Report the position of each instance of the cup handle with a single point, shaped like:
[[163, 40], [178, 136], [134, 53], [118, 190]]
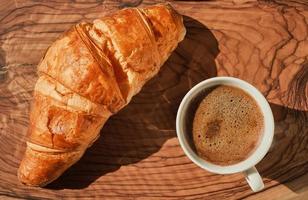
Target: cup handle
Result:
[[254, 179]]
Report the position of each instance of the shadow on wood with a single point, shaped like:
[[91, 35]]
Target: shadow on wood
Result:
[[287, 159], [2, 57], [141, 128], [297, 95], [129, 3], [2, 64]]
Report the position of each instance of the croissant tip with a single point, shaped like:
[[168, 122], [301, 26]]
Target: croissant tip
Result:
[[28, 180], [31, 184]]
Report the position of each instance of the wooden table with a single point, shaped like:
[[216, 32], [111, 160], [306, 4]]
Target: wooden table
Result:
[[138, 155]]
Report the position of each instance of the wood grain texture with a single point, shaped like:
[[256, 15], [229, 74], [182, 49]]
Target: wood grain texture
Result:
[[138, 155]]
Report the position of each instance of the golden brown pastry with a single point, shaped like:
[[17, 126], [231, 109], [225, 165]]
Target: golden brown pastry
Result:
[[88, 74]]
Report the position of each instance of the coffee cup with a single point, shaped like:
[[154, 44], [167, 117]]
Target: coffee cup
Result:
[[184, 130]]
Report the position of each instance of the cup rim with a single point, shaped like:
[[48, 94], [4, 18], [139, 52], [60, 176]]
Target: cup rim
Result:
[[263, 145]]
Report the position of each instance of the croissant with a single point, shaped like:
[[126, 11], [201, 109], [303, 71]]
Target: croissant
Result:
[[87, 75]]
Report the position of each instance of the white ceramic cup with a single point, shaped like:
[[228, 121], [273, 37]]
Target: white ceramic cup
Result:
[[184, 130]]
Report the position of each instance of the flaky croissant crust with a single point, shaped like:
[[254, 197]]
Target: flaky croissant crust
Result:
[[88, 74]]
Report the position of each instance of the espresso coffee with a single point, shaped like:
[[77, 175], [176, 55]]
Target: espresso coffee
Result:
[[227, 126]]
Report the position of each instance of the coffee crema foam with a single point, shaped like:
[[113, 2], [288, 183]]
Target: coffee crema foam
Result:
[[227, 126]]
